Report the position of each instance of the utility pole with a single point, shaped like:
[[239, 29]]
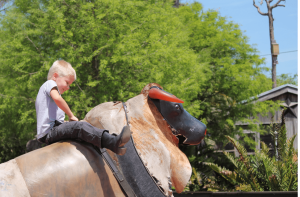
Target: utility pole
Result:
[[274, 45]]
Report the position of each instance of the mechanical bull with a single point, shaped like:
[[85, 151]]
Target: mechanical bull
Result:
[[152, 164]]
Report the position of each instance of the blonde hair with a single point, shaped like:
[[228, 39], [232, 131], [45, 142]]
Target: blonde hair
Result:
[[62, 68]]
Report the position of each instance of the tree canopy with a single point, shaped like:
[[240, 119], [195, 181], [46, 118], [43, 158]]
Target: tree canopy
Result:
[[287, 79], [116, 48], [233, 73]]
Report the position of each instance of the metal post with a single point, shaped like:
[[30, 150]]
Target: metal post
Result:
[[276, 151]]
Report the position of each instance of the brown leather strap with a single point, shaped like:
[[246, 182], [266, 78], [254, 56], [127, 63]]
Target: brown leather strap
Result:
[[119, 176]]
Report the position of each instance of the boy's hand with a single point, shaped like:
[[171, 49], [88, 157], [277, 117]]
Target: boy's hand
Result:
[[73, 118]]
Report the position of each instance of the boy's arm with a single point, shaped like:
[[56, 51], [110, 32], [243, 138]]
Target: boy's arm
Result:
[[62, 104]]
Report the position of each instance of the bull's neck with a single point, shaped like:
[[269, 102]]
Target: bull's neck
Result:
[[156, 144]]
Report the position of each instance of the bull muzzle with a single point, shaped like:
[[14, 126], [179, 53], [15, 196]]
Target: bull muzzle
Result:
[[181, 122]]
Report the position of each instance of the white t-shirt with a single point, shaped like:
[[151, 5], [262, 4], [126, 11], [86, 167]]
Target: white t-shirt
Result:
[[46, 109]]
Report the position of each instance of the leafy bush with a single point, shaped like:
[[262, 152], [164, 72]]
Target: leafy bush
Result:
[[260, 172], [203, 177]]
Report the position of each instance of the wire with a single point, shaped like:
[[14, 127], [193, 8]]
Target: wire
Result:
[[281, 52]]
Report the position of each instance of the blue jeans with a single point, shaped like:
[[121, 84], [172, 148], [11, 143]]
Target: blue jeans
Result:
[[74, 130]]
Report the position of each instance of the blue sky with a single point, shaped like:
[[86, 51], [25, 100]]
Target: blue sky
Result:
[[256, 28]]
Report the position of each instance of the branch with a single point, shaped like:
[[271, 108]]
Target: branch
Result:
[[264, 14], [28, 99], [66, 3], [23, 72], [261, 2], [35, 46], [33, 73], [68, 43], [277, 4], [79, 87], [6, 75]]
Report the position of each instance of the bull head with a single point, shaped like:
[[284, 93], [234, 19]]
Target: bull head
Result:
[[181, 122]]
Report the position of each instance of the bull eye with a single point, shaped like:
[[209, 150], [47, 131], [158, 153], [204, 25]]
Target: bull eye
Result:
[[177, 107]]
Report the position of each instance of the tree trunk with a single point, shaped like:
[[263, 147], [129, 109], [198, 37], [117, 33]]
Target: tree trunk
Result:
[[274, 61], [272, 40], [271, 30]]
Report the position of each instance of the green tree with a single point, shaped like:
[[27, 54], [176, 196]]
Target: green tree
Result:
[[226, 95], [233, 74], [116, 48], [287, 79]]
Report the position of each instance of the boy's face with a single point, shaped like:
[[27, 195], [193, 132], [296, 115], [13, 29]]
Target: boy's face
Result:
[[63, 83]]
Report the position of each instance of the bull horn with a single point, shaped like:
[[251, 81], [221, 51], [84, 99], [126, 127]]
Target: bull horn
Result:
[[155, 93]]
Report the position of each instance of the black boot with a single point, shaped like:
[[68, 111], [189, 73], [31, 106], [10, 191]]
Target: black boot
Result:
[[116, 143]]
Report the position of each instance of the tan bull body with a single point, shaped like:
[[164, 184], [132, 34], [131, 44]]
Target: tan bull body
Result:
[[70, 168], [61, 169]]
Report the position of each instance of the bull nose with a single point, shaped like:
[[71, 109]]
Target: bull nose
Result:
[[195, 137]]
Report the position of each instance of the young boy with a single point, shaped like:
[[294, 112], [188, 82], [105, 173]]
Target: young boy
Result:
[[51, 109]]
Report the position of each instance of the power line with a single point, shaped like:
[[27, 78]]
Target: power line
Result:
[[281, 52]]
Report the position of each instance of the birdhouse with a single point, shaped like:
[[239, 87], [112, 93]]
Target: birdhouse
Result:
[[275, 49]]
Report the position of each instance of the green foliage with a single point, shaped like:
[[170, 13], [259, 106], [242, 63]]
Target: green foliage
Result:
[[260, 172], [14, 121], [286, 79], [116, 48], [203, 177], [232, 70]]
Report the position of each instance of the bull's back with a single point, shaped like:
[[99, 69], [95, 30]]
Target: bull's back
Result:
[[62, 169]]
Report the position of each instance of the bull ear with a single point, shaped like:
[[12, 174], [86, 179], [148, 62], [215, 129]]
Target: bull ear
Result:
[[155, 93]]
